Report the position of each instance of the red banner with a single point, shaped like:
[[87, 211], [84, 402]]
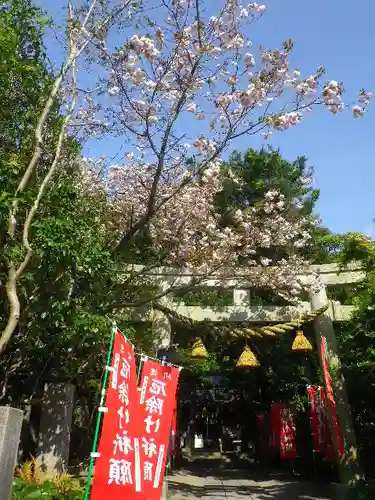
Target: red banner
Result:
[[336, 429], [114, 474], [326, 436], [157, 400], [319, 422], [283, 431], [288, 449]]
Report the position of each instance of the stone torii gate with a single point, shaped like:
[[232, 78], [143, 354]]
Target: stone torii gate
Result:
[[57, 413], [241, 311]]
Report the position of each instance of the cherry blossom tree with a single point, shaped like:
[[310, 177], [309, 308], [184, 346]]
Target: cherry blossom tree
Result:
[[178, 81], [182, 83]]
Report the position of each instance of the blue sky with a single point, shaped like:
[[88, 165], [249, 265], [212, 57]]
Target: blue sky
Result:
[[340, 36]]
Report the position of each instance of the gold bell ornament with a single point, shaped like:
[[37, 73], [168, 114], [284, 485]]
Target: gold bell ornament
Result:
[[199, 350], [247, 359], [301, 343]]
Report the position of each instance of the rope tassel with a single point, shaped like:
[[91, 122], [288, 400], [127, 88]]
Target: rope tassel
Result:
[[247, 359], [301, 343], [199, 350]]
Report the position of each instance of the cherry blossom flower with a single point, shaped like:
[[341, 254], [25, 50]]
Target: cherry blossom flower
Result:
[[249, 60], [191, 107]]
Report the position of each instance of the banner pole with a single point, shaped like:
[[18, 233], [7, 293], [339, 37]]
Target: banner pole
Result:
[[139, 370], [99, 417]]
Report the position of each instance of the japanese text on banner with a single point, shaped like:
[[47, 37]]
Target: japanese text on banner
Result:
[[157, 400], [115, 466]]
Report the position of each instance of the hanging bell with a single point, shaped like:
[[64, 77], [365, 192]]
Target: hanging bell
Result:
[[199, 350], [247, 359], [301, 343]]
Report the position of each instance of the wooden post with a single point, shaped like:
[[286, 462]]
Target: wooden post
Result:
[[323, 326]]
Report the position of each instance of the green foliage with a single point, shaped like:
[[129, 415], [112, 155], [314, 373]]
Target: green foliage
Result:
[[221, 297], [357, 344], [63, 489], [30, 482], [357, 246], [200, 369], [345, 294], [357, 341], [23, 73], [71, 291], [325, 247], [205, 296], [266, 170]]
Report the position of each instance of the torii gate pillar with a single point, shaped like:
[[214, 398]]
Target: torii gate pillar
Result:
[[323, 326]]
